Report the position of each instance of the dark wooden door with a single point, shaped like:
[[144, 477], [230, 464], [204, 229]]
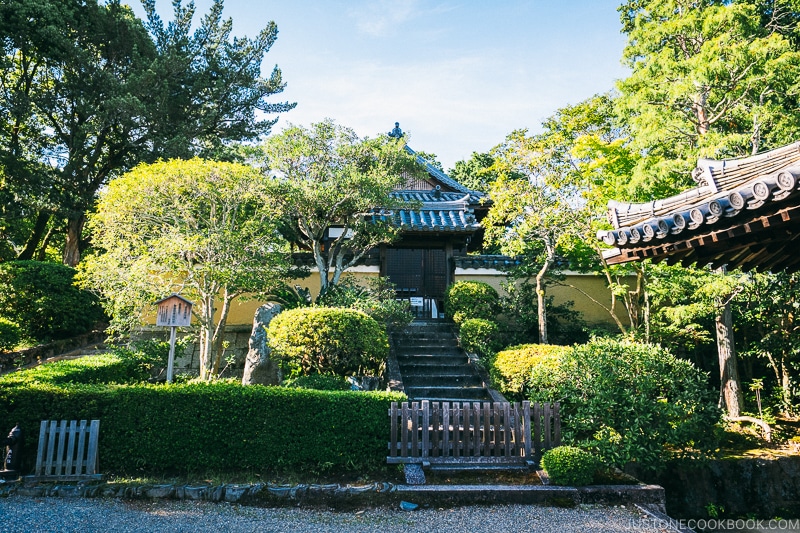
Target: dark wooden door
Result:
[[417, 271]]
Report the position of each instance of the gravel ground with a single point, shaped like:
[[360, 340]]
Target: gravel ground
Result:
[[25, 514]]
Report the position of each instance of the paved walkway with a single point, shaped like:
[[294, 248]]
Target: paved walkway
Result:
[[22, 514]]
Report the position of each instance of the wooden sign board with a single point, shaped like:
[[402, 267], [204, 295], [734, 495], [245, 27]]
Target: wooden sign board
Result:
[[174, 310]]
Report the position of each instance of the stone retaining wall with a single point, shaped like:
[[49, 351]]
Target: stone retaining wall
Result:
[[37, 354], [743, 487]]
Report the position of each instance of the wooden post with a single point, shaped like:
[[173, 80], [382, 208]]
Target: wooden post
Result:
[[171, 359]]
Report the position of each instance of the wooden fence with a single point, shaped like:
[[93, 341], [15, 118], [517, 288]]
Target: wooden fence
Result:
[[67, 451], [499, 433]]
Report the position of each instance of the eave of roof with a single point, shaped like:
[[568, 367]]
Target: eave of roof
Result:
[[744, 213]]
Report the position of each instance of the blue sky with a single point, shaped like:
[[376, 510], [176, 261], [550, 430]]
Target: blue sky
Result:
[[457, 75]]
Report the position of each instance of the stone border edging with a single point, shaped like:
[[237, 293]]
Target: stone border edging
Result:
[[379, 493]]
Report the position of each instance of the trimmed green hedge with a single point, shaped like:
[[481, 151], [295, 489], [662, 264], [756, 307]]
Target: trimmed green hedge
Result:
[[471, 299], [568, 465], [328, 340], [201, 427]]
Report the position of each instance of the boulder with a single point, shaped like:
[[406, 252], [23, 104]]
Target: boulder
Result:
[[259, 369]]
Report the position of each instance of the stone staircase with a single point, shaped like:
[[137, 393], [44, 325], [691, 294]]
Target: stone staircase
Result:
[[433, 367]]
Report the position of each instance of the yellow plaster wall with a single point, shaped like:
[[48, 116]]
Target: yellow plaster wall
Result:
[[243, 310]]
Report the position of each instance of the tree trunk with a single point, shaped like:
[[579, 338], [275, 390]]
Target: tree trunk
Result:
[[259, 368], [540, 300], [72, 246], [730, 388], [35, 237], [217, 342]]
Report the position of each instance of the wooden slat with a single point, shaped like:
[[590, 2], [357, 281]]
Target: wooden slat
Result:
[[80, 463], [557, 424], [537, 429], [458, 439], [42, 446], [404, 430], [436, 431], [63, 436], [476, 429], [94, 437], [51, 446], [546, 415], [446, 442], [426, 422], [71, 450], [393, 431], [526, 427], [507, 434], [415, 429], [487, 430]]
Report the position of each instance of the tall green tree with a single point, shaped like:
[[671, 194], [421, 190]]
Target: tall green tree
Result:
[[86, 93], [203, 229], [709, 79], [334, 191], [582, 158]]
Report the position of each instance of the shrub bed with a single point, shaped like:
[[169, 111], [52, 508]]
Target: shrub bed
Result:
[[511, 368], [568, 465], [42, 300], [217, 427], [629, 402], [471, 299], [480, 336], [324, 340]]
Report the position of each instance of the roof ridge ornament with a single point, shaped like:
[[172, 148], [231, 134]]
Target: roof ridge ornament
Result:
[[397, 133]]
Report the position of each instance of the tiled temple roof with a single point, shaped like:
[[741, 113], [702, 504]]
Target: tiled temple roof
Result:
[[743, 213], [442, 215], [498, 262]]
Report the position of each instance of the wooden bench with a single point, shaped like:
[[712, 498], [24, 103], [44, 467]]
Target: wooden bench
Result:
[[472, 434], [67, 451]]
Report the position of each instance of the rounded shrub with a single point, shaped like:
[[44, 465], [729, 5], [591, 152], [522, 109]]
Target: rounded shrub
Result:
[[324, 340], [629, 402], [479, 336], [43, 301], [9, 335], [569, 465], [511, 368], [471, 299]]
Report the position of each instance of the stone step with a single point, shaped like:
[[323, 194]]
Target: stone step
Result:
[[442, 380], [428, 350], [434, 369], [453, 359], [448, 393]]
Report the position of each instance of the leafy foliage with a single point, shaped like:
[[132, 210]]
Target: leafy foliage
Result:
[[318, 382], [9, 335], [377, 299], [520, 316], [119, 366], [43, 301], [88, 92], [766, 314], [569, 465], [471, 299], [511, 368], [629, 402], [709, 79], [201, 228], [480, 336], [327, 177], [322, 340]]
